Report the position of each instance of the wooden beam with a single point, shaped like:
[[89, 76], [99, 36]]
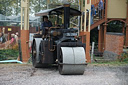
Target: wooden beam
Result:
[[123, 28], [100, 39], [126, 41], [97, 23], [88, 47], [105, 30]]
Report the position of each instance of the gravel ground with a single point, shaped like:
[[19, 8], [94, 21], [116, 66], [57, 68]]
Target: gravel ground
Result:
[[16, 74]]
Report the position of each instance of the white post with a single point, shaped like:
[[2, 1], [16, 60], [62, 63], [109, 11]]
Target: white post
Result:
[[93, 44], [21, 16], [25, 14], [87, 7], [89, 21], [98, 27], [48, 2], [28, 15]]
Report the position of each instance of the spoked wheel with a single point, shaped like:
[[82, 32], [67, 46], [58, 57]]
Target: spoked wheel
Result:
[[35, 56], [72, 60]]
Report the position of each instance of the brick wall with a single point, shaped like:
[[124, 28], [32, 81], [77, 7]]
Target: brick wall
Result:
[[114, 42]]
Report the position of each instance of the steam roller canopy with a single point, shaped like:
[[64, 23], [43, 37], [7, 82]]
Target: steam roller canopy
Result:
[[73, 59]]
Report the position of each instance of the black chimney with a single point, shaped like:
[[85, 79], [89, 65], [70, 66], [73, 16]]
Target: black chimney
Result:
[[66, 16]]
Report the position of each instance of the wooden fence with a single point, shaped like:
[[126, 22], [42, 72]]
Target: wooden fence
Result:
[[13, 29]]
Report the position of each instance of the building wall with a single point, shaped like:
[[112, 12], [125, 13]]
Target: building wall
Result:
[[117, 9], [114, 42]]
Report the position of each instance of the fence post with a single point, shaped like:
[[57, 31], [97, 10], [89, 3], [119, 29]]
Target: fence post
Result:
[[93, 43]]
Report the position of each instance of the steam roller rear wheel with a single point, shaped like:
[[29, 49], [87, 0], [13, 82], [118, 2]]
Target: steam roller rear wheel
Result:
[[72, 60], [34, 57]]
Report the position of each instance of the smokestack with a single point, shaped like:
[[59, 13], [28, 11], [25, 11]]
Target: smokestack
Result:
[[66, 15]]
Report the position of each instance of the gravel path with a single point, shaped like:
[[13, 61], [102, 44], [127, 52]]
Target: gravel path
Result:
[[15, 74]]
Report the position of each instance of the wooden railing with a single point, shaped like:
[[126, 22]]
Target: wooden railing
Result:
[[96, 20], [95, 2]]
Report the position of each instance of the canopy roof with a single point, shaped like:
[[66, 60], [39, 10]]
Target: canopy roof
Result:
[[3, 17], [58, 11]]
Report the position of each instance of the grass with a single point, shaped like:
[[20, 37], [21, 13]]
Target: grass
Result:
[[12, 54], [102, 61], [110, 63], [122, 60]]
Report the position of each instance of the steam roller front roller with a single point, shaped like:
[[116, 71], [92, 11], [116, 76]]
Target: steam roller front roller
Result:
[[35, 53], [72, 60]]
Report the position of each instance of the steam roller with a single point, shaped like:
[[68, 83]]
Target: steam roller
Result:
[[60, 44]]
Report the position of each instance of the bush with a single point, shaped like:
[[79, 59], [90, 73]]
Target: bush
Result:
[[123, 57], [8, 54]]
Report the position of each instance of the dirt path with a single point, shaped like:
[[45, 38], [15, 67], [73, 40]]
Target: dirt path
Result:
[[16, 74]]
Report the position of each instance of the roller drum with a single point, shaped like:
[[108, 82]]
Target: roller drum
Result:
[[73, 60]]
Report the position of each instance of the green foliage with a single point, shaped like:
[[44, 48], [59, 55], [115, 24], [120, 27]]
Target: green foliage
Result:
[[37, 5], [123, 60], [115, 26], [8, 54], [9, 7], [113, 63], [123, 57]]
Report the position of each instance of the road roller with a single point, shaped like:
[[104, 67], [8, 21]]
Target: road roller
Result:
[[60, 45]]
